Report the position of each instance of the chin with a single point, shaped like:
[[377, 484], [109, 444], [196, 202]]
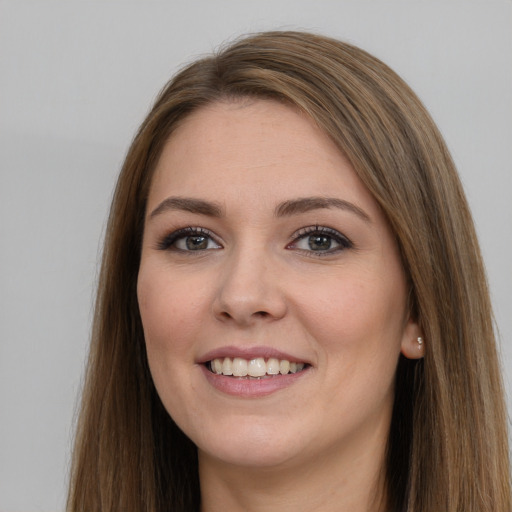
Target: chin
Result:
[[250, 445], [254, 456]]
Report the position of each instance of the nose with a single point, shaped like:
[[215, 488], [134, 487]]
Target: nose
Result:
[[250, 290]]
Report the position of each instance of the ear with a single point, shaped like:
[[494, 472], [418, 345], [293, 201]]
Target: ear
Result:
[[413, 344]]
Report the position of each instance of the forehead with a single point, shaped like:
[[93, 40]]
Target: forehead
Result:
[[253, 147]]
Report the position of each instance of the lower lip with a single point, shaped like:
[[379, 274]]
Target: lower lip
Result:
[[252, 388]]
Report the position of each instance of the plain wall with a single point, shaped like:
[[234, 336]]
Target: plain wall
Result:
[[76, 79]]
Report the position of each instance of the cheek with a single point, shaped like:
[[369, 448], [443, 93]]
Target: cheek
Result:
[[169, 313], [357, 313], [169, 317]]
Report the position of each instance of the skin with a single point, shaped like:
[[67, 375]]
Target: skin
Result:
[[318, 443]]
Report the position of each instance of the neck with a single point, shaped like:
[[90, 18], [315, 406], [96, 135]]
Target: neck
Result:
[[351, 482]]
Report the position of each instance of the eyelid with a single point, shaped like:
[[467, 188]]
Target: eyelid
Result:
[[166, 242], [337, 236]]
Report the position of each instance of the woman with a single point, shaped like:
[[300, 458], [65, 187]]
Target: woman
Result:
[[292, 309]]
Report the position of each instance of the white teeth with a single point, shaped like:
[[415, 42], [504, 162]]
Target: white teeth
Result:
[[227, 366], [273, 366], [239, 367], [258, 367], [284, 367], [217, 366], [296, 367]]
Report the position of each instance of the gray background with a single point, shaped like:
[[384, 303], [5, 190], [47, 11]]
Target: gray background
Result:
[[76, 79]]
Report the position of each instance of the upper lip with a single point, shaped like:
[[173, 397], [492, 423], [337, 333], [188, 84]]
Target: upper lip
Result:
[[249, 353]]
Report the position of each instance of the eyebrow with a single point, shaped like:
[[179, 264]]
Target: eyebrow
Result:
[[306, 204], [285, 209], [188, 204]]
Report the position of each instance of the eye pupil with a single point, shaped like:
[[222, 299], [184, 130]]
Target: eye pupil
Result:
[[197, 242], [319, 242]]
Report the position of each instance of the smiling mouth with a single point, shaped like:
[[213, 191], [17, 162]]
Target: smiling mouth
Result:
[[258, 368]]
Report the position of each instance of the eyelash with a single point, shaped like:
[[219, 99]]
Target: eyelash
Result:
[[168, 241], [303, 233]]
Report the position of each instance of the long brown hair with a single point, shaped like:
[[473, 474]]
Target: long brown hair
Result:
[[447, 448]]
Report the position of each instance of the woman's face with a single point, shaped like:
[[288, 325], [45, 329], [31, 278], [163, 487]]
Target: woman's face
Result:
[[264, 253]]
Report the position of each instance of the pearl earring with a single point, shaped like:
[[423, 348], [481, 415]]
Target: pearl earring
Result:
[[420, 342]]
